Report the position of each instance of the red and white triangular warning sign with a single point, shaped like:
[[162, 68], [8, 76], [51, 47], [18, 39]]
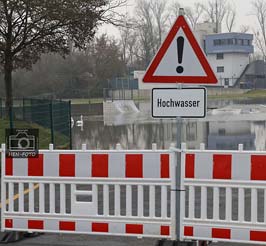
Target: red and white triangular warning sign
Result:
[[180, 59]]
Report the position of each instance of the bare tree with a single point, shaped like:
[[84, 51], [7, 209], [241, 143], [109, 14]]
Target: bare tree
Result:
[[194, 14], [259, 8], [230, 18], [30, 28], [128, 38], [215, 11], [244, 28], [151, 23], [173, 12], [146, 29], [158, 9]]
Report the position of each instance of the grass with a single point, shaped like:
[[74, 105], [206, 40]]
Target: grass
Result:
[[250, 94], [62, 141], [259, 93], [86, 100]]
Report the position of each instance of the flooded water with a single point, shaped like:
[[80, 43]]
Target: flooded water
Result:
[[228, 123]]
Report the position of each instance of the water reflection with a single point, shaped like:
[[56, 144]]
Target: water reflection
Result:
[[139, 131]]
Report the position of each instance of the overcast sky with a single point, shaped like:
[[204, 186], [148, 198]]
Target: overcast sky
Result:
[[243, 9]]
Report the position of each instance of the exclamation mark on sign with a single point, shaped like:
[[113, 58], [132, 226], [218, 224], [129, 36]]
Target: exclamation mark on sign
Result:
[[180, 48]]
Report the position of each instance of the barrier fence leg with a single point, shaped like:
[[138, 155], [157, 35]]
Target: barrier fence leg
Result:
[[14, 236]]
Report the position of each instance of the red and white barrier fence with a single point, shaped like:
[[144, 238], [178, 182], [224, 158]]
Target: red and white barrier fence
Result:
[[133, 193], [113, 192], [226, 195]]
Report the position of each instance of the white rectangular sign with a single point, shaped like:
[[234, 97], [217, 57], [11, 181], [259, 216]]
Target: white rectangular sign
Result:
[[174, 102]]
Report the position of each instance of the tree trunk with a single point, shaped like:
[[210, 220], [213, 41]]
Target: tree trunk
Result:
[[8, 68]]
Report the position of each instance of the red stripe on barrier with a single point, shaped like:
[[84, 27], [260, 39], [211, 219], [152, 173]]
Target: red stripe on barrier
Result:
[[67, 226], [221, 233], [35, 166], [222, 166], [258, 167], [165, 166], [134, 229], [9, 223], [134, 167], [99, 165], [258, 236], [165, 230], [190, 166], [9, 166], [188, 231], [100, 227], [67, 165], [35, 224]]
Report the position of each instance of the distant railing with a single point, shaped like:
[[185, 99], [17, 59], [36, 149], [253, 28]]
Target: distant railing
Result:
[[51, 114]]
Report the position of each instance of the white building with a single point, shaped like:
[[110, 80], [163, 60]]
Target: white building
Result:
[[227, 53]]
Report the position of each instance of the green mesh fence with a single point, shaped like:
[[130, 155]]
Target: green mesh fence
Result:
[[54, 115]]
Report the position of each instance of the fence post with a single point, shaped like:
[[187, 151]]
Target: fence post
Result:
[[11, 123], [23, 109], [173, 168], [70, 129], [3, 190], [51, 122], [118, 146], [1, 112]]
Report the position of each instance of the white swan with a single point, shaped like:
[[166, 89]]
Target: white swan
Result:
[[80, 122], [72, 122]]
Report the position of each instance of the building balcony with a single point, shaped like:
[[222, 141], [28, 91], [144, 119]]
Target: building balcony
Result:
[[229, 43]]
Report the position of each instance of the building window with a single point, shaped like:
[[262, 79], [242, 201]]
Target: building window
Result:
[[247, 42], [226, 81], [217, 42], [221, 132], [191, 128], [220, 69], [231, 41], [219, 56], [240, 41]]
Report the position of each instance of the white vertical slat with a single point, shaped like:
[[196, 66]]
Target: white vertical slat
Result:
[[105, 200], [228, 206], [31, 198], [191, 202], [63, 198], [152, 201], [203, 203], [254, 205], [52, 198], [95, 197], [128, 200], [3, 184], [20, 198], [11, 197], [216, 203], [41, 198], [73, 196], [164, 201], [241, 203], [182, 170], [202, 146], [117, 200], [264, 206], [118, 146], [140, 201], [51, 147], [173, 212], [84, 147]]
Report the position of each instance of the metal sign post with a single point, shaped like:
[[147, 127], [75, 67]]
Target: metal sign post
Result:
[[180, 59], [178, 176]]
